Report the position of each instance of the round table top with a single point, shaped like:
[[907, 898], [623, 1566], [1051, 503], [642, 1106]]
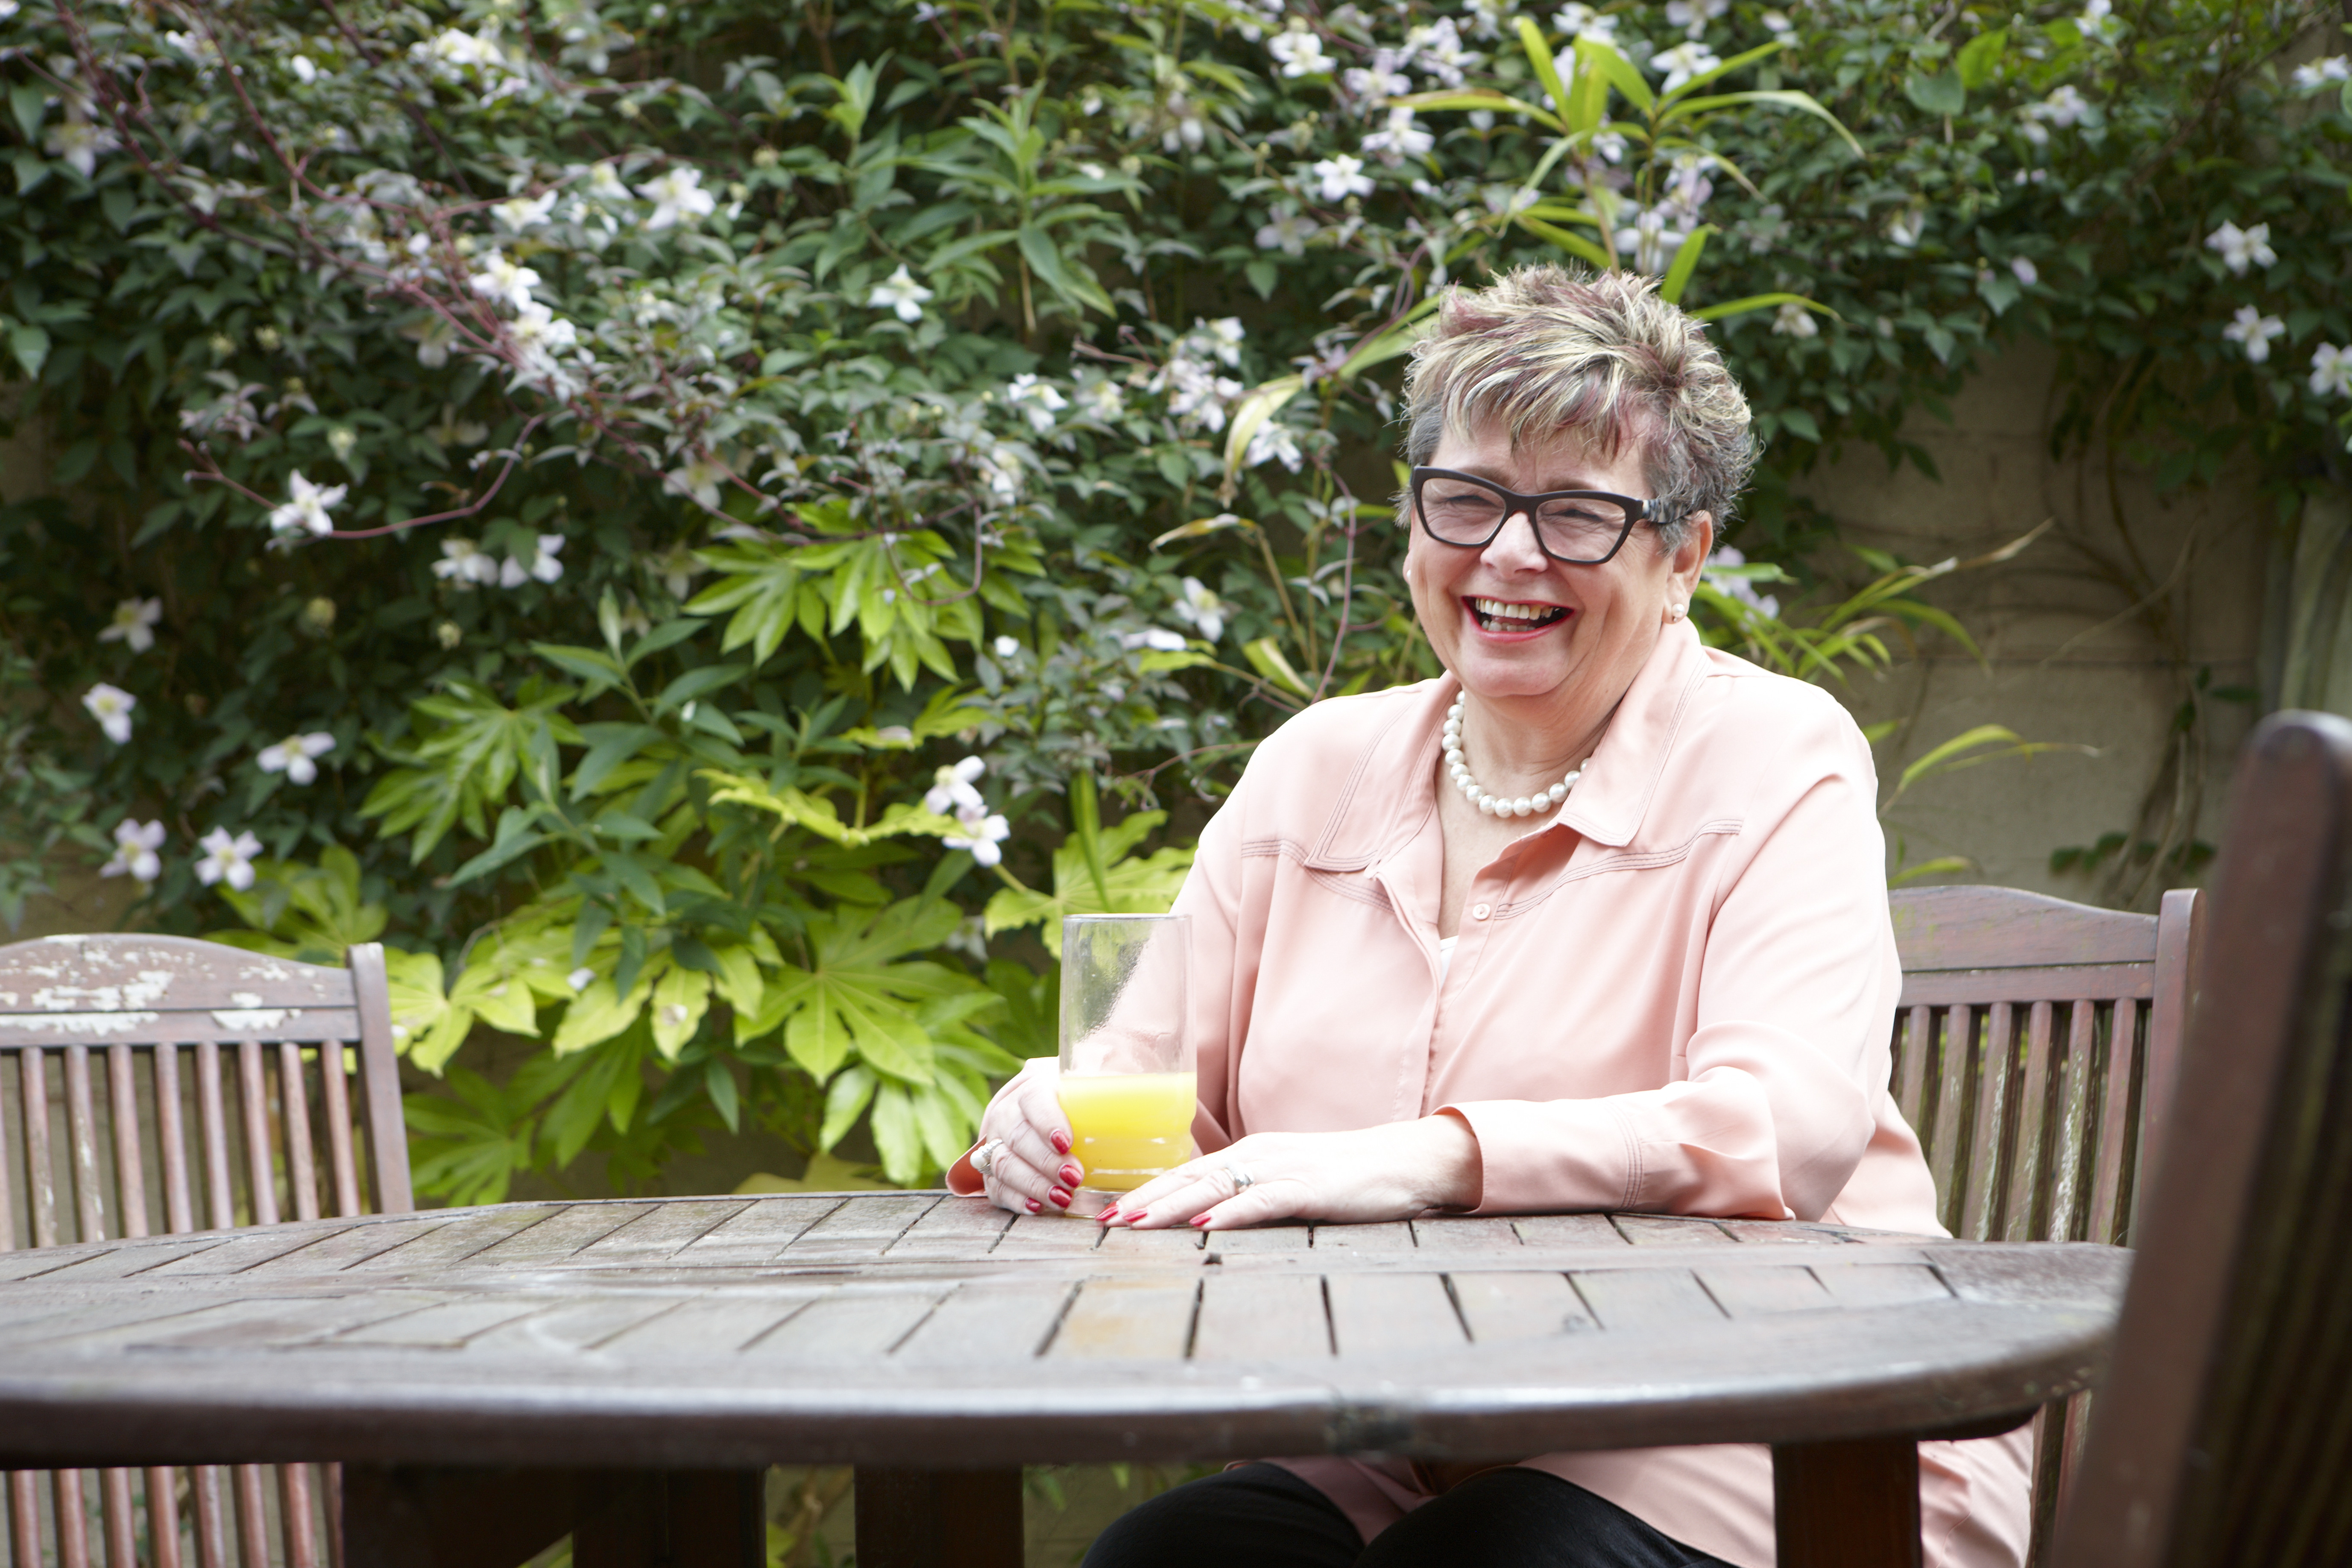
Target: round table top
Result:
[[918, 1329]]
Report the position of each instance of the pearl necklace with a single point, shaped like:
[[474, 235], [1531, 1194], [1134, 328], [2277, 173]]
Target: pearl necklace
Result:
[[1495, 805]]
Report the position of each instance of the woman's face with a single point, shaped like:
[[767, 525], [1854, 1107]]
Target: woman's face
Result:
[[1594, 625]]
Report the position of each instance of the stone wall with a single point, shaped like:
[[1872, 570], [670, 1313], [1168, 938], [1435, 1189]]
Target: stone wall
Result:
[[2070, 655]]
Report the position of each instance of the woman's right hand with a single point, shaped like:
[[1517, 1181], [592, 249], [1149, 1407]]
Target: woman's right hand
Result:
[[1026, 1142]]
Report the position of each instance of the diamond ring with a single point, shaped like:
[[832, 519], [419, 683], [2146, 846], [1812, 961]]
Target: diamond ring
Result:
[[1243, 1180], [984, 1158]]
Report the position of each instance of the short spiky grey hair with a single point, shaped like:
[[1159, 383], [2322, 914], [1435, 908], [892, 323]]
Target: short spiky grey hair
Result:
[[1546, 349]]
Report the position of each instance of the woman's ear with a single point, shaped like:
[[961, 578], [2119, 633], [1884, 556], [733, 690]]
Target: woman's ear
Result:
[[1690, 556]]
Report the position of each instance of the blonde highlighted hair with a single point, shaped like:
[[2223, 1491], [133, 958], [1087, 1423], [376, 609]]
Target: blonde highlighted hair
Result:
[[1545, 349]]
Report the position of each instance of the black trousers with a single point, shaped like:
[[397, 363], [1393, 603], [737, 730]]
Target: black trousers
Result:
[[1262, 1515]]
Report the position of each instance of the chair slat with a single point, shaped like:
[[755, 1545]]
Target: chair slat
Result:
[[72, 1523], [172, 1141], [40, 1175], [122, 1519], [214, 1117], [25, 1518], [2105, 981], [1956, 1075], [387, 1129], [81, 1142], [334, 1093], [1918, 1036], [129, 1162], [1982, 1199], [164, 1515], [205, 1493], [252, 1517], [7, 1205], [294, 1517], [2025, 1217], [332, 1487], [2117, 1100], [294, 1102], [2070, 1160], [253, 1097]]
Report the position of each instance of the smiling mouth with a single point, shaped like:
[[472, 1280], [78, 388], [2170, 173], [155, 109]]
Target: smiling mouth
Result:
[[1505, 615]]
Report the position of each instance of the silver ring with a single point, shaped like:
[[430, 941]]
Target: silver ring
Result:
[[983, 1159], [1243, 1180]]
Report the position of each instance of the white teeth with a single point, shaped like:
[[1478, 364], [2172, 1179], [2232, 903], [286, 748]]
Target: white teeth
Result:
[[1500, 609]]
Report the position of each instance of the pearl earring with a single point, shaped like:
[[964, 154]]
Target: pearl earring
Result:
[[1676, 613]]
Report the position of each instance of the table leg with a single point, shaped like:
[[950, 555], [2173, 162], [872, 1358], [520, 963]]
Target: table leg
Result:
[[1847, 1505], [425, 1516], [939, 1518], [672, 1519]]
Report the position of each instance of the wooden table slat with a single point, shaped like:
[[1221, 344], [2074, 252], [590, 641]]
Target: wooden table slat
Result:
[[1260, 1316], [958, 1227], [1499, 1308], [1378, 1314], [446, 1325], [1265, 1238], [235, 1255], [1471, 1233], [339, 1249], [758, 1234], [1670, 1230], [1566, 1231], [989, 1320], [1396, 1236], [461, 1237], [122, 1262], [559, 1237], [1752, 1291], [661, 1231], [1880, 1285], [710, 1325], [849, 1324], [1646, 1298], [1040, 1236], [1128, 1319], [1183, 1244], [573, 1326]]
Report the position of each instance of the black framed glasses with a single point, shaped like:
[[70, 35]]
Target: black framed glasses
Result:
[[1576, 528]]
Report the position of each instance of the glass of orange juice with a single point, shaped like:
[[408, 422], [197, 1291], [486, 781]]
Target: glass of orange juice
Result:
[[1126, 1080]]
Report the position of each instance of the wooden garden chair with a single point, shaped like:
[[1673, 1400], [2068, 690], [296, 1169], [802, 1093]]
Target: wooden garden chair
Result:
[[2223, 1430], [2034, 1039], [148, 1079]]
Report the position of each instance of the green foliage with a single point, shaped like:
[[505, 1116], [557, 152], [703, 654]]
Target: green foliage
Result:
[[631, 447]]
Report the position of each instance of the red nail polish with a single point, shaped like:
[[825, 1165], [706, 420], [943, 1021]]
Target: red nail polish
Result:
[[1034, 1207], [1072, 1175], [1061, 1141], [1061, 1199], [1200, 1219]]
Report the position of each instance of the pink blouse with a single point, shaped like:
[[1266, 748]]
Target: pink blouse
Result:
[[1675, 997]]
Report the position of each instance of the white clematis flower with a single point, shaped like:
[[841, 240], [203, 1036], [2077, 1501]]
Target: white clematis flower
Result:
[[110, 706], [2242, 247], [2323, 73], [899, 293], [2331, 372], [135, 843], [228, 859], [699, 476], [1338, 177], [465, 563], [952, 789], [306, 512], [1794, 321], [543, 565], [292, 756], [1200, 609], [2255, 331], [678, 197], [1300, 50], [133, 624], [985, 836], [523, 214], [503, 279], [1038, 401], [1401, 139]]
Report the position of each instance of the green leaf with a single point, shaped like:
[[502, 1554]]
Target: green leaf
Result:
[[1980, 57], [1128, 887], [857, 995], [29, 103], [1942, 93], [1547, 70], [1779, 97], [1741, 306], [896, 1137], [1255, 406], [30, 344], [1594, 54], [1686, 262], [1266, 658]]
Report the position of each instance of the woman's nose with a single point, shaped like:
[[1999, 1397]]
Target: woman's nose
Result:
[[1515, 548]]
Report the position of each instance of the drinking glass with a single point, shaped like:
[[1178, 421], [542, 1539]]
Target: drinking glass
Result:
[[1127, 1081]]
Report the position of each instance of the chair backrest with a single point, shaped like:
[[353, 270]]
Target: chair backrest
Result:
[[226, 1092], [148, 1079], [2224, 1431], [2031, 1036]]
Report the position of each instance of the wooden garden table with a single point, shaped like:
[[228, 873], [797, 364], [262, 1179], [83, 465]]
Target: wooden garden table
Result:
[[492, 1377]]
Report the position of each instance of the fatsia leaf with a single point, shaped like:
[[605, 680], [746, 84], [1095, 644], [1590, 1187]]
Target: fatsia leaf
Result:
[[1144, 886], [680, 998]]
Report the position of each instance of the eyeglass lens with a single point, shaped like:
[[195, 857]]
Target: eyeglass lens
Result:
[[1572, 528]]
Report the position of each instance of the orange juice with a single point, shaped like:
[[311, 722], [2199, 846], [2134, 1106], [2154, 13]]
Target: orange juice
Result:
[[1126, 1128]]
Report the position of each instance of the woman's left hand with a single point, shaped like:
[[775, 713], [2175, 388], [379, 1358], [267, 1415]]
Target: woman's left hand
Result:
[[1396, 1171]]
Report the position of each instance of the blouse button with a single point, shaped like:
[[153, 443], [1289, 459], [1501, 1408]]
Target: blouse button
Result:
[[1480, 911]]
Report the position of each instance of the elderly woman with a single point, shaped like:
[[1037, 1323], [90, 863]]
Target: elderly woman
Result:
[[1595, 921]]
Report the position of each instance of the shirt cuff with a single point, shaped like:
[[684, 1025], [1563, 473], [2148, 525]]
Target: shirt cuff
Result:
[[1558, 1155]]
